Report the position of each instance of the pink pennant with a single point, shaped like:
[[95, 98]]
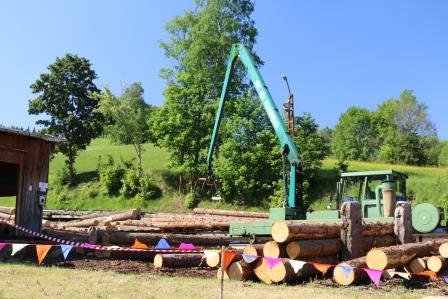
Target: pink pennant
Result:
[[375, 275], [187, 246], [2, 245], [272, 261]]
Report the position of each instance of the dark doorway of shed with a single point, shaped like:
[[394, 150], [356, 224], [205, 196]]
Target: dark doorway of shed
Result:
[[9, 180]]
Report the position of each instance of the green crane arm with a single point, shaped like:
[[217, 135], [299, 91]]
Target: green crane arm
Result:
[[287, 146]]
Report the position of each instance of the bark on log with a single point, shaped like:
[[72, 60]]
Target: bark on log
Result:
[[241, 271], [125, 238], [307, 271], [274, 249], [69, 236], [331, 259], [131, 214], [436, 263], [253, 250], [376, 229], [6, 216], [403, 222], [82, 223], [417, 265], [374, 242], [8, 210], [127, 228], [231, 213], [352, 275], [182, 260], [281, 272], [351, 230], [292, 230], [261, 271], [400, 255], [312, 248]]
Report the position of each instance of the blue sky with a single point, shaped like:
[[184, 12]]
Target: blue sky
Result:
[[335, 53]]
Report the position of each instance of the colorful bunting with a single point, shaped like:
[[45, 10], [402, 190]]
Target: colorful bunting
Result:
[[66, 250], [162, 244], [139, 245], [2, 245], [228, 258], [445, 278], [186, 246], [428, 273], [272, 261], [42, 251], [346, 270], [322, 267], [297, 265], [375, 275], [17, 247], [249, 258], [404, 275]]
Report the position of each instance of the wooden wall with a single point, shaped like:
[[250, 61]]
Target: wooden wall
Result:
[[32, 156]]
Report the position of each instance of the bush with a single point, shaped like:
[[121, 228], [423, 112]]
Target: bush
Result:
[[190, 201], [142, 186], [130, 183], [62, 176], [110, 175]]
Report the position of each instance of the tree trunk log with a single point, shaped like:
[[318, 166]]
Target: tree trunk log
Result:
[[376, 229], [231, 213], [417, 265], [292, 230], [261, 271], [274, 249], [213, 260], [182, 260], [436, 263], [374, 242], [254, 250], [6, 216], [353, 275], [400, 255], [82, 223], [443, 250], [125, 238], [281, 272], [8, 210], [311, 248], [241, 271]]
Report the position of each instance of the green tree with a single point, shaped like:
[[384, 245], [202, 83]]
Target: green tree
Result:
[[127, 118], [65, 94], [249, 160], [443, 154], [353, 135], [199, 43]]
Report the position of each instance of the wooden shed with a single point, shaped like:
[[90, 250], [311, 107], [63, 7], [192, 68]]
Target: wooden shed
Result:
[[24, 163]]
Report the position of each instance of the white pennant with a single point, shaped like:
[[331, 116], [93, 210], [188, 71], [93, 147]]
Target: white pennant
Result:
[[210, 253], [17, 247], [297, 265], [401, 274]]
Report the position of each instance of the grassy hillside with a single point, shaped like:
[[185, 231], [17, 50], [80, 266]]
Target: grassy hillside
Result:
[[427, 184]]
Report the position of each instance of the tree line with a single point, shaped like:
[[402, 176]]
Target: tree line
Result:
[[248, 161]]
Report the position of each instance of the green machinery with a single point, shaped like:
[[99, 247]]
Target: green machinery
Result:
[[377, 191]]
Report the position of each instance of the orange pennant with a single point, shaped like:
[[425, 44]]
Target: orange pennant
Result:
[[228, 258], [322, 267], [42, 251], [428, 273], [139, 245]]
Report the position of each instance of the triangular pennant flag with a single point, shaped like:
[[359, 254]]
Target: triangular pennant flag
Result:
[[65, 250], [228, 258], [17, 247], [428, 273], [249, 258], [2, 245], [445, 278], [297, 265], [162, 244], [375, 275], [272, 261], [210, 253], [186, 246], [139, 245], [323, 268], [346, 270], [404, 275], [42, 251]]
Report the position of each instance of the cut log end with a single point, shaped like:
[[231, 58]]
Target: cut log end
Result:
[[344, 276], [273, 249], [417, 265], [213, 260], [376, 259], [436, 263], [443, 250], [240, 271], [158, 261], [280, 231]]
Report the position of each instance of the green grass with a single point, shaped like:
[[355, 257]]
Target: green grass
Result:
[[24, 281]]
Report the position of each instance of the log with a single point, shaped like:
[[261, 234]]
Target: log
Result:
[[274, 249], [353, 275], [8, 210], [312, 248], [125, 238], [374, 242], [241, 271], [69, 236], [281, 272], [127, 228], [219, 273], [182, 260], [261, 271], [351, 230], [443, 250], [331, 259], [254, 250], [417, 265], [231, 213], [307, 271], [400, 255], [436, 263], [131, 214], [213, 260], [403, 222], [292, 230], [82, 223], [376, 229], [6, 216]]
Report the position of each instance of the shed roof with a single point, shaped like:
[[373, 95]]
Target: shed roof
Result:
[[48, 138]]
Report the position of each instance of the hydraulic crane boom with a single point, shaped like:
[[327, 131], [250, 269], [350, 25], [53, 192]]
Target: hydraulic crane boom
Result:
[[287, 146]]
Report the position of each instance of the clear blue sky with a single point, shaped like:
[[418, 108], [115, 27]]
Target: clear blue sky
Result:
[[336, 53]]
